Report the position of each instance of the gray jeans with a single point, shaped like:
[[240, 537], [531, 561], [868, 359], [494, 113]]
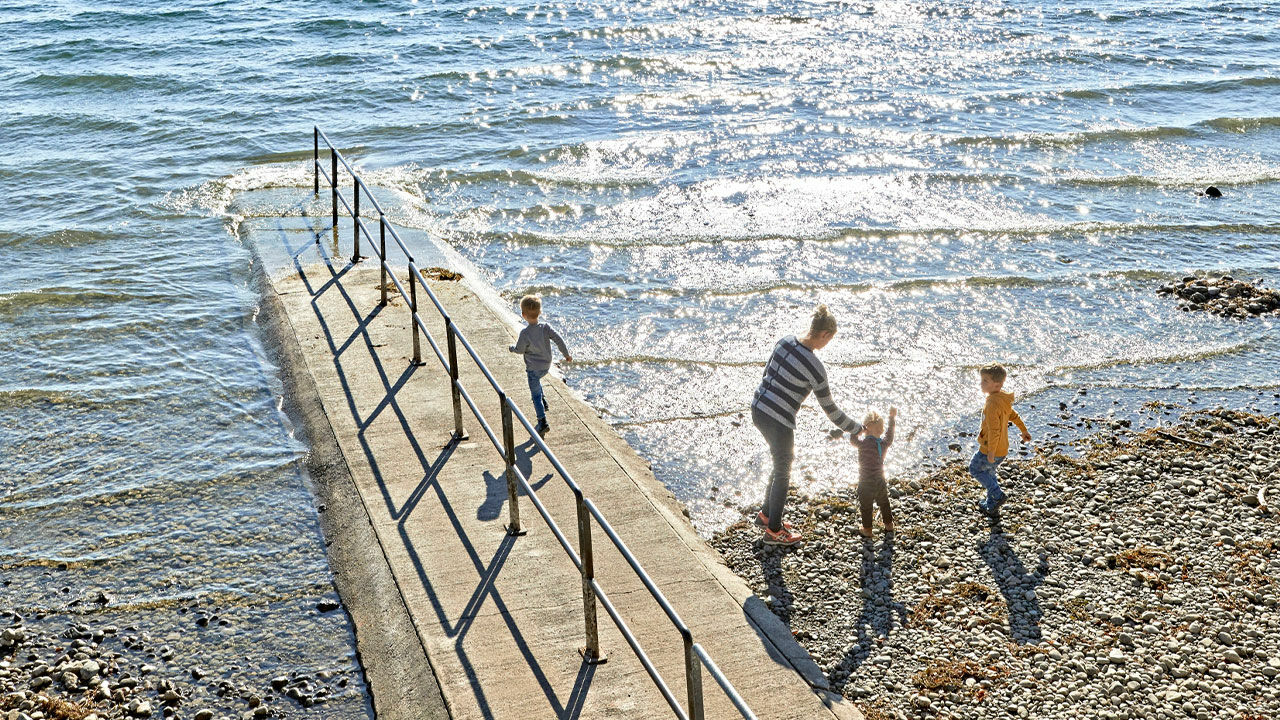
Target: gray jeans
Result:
[[782, 446]]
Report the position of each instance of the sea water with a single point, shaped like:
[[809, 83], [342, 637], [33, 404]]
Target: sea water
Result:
[[960, 182]]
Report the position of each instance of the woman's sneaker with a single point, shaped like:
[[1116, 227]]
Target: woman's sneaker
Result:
[[782, 537], [763, 521]]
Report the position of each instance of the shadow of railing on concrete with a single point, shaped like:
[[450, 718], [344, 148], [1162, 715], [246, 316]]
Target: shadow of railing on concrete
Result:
[[487, 570]]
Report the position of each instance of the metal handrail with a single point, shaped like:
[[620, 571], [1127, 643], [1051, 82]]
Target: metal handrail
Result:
[[696, 656]]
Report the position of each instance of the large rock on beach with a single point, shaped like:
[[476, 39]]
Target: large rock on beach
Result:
[[1224, 296]]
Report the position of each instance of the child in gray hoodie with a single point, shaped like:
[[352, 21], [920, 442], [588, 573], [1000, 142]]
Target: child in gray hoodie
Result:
[[535, 344]]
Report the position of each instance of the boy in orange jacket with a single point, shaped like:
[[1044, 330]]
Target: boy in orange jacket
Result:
[[993, 439]]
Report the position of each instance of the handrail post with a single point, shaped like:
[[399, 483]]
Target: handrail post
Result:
[[693, 678], [382, 255], [591, 652], [451, 333], [333, 183], [413, 319], [509, 451], [315, 161], [355, 220]]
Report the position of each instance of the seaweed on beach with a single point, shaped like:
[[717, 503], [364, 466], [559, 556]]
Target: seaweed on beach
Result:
[[951, 674], [1147, 558], [53, 708]]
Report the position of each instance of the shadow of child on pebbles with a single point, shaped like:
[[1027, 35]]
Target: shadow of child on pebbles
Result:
[[879, 609], [1016, 584]]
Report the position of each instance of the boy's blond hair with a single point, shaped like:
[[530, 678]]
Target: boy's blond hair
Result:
[[872, 418], [995, 372], [531, 304], [823, 321]]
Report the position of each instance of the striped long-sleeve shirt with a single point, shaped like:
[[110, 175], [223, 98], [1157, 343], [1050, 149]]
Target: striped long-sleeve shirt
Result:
[[792, 373]]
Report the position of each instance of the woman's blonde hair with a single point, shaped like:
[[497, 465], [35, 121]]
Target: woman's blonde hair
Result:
[[823, 321]]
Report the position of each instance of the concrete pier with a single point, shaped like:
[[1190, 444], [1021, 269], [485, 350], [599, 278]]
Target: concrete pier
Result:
[[455, 617]]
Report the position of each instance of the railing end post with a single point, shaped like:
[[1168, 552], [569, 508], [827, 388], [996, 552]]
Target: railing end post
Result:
[[693, 677], [591, 652], [599, 658], [514, 527], [451, 332]]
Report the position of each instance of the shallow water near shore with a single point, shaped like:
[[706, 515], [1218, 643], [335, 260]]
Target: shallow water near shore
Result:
[[961, 182]]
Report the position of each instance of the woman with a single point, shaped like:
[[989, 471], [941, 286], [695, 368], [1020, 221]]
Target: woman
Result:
[[793, 372]]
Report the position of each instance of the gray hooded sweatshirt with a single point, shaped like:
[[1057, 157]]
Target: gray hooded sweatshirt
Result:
[[535, 344]]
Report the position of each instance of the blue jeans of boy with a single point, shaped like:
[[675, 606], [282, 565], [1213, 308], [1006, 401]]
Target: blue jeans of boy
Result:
[[535, 390], [985, 472]]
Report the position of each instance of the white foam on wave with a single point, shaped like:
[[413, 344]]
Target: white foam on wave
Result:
[[398, 190], [1176, 165]]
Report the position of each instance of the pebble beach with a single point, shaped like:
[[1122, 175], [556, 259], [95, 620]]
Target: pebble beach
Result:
[[1129, 576], [99, 671]]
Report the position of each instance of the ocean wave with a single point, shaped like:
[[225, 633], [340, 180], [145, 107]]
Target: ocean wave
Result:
[[38, 125], [534, 179], [1228, 177], [1073, 139], [1242, 124], [689, 362], [1188, 355], [1173, 358], [335, 60], [1192, 87], [683, 418], [616, 288], [335, 27], [545, 180], [66, 238], [23, 398], [15, 303], [218, 197], [853, 234], [91, 485], [164, 84]]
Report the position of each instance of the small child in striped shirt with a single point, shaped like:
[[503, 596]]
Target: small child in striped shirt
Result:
[[873, 489]]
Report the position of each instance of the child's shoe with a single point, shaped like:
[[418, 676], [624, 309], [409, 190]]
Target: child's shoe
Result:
[[543, 427], [783, 537], [989, 512]]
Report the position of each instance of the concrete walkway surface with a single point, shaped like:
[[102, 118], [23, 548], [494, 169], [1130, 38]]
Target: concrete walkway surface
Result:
[[500, 617]]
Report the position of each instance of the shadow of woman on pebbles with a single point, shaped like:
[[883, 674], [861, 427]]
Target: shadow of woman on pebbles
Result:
[[782, 601], [879, 609], [1017, 585]]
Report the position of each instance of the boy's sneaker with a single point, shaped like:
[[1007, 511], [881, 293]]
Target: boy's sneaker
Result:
[[762, 520], [542, 427], [989, 512], [783, 537]]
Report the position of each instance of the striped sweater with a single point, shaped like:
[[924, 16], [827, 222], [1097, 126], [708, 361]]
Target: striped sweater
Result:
[[792, 373]]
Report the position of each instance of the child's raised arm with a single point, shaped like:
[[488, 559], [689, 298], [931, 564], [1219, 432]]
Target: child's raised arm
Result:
[[888, 433]]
